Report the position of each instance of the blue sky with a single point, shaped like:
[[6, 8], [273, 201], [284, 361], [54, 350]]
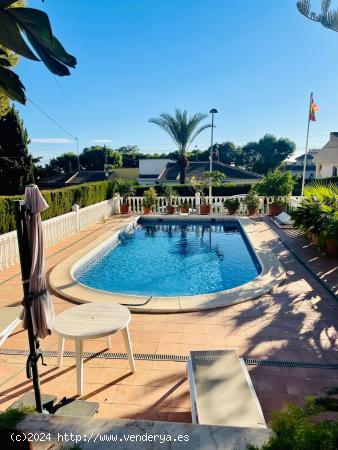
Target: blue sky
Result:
[[256, 61]]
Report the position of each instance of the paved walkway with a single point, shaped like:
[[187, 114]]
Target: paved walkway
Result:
[[298, 321]]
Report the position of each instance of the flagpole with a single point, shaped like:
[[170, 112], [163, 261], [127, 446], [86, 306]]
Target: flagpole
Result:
[[306, 146]]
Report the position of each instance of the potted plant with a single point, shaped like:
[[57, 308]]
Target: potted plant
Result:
[[200, 186], [330, 232], [232, 205], [275, 184], [126, 188], [309, 217], [169, 193], [184, 207], [252, 202], [149, 200]]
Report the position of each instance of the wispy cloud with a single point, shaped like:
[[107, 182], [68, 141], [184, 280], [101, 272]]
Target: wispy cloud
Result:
[[102, 141], [51, 141]]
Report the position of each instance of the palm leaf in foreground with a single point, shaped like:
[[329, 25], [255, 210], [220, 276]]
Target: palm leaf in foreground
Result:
[[33, 24]]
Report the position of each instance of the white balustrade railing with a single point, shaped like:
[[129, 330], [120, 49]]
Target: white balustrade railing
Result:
[[136, 203], [59, 228], [9, 250]]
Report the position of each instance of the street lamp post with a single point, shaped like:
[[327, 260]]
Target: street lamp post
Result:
[[212, 112]]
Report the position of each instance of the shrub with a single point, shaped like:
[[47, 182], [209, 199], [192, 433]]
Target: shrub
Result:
[[275, 184], [232, 204], [252, 200], [125, 187], [60, 201], [318, 212], [294, 429], [11, 417], [169, 193], [150, 198]]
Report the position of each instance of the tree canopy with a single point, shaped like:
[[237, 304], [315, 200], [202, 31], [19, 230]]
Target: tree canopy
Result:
[[91, 158], [67, 162], [266, 154], [262, 156], [16, 163], [95, 158]]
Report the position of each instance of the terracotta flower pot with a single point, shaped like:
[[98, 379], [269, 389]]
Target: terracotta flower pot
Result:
[[184, 209], [252, 211], [331, 246], [170, 209], [275, 209], [146, 210], [204, 209], [232, 211], [124, 208]]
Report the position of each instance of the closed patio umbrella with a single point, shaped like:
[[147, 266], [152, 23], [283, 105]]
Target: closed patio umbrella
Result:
[[38, 312], [42, 311]]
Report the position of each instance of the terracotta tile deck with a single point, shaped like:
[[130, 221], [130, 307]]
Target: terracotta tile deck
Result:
[[298, 321]]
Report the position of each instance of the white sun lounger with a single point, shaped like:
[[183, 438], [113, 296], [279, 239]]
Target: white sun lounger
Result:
[[221, 390], [9, 319], [283, 220]]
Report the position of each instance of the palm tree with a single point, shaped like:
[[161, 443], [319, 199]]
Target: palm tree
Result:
[[327, 17], [183, 130]]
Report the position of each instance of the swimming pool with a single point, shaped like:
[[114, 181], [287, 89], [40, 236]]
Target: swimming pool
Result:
[[173, 258]]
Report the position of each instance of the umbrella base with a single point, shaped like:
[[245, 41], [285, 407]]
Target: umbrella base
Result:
[[79, 408], [28, 401]]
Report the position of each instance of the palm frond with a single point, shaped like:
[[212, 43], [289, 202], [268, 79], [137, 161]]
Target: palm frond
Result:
[[328, 18], [326, 193], [180, 127], [198, 131]]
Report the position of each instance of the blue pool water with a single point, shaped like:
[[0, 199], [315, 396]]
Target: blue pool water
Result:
[[173, 259]]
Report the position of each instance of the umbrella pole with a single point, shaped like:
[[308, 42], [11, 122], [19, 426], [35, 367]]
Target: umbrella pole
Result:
[[35, 353]]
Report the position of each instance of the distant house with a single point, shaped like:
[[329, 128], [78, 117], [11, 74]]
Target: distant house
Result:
[[151, 169], [72, 179], [130, 173], [327, 158], [86, 176], [162, 171], [296, 166]]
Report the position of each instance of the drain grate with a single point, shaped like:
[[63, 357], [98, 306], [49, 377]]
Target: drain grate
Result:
[[176, 358]]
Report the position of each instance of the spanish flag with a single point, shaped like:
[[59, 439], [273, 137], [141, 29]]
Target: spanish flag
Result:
[[313, 109]]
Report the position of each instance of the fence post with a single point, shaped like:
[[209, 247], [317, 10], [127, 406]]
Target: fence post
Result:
[[76, 208], [197, 202], [116, 204]]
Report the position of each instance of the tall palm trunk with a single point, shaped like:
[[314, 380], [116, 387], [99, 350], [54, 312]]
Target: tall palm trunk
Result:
[[182, 162]]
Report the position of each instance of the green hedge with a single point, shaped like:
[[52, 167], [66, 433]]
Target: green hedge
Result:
[[60, 201], [185, 190]]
